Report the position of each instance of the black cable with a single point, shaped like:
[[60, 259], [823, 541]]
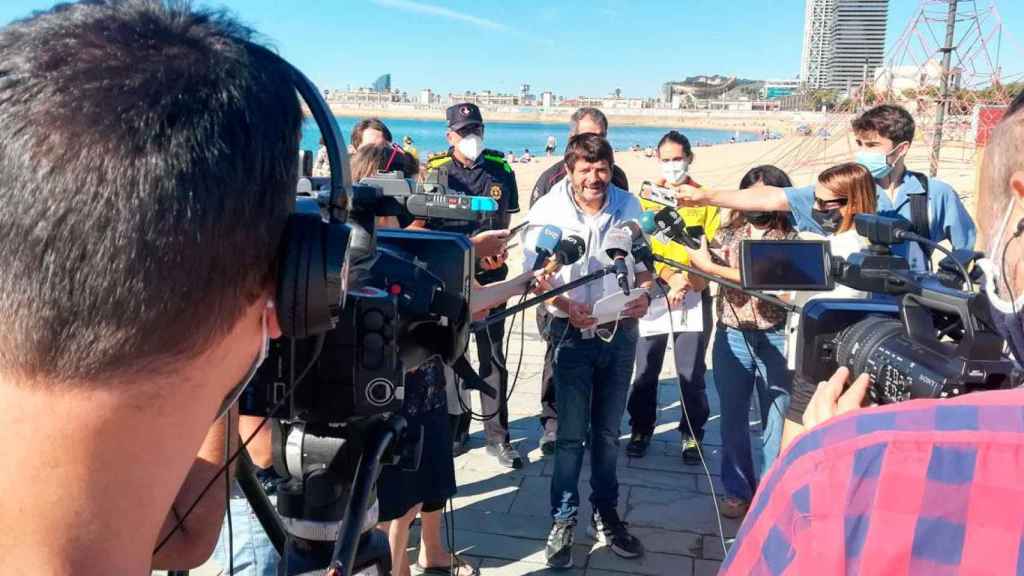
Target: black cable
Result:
[[480, 417], [689, 423], [936, 246], [318, 347], [227, 497]]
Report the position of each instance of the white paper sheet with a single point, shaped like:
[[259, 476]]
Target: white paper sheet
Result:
[[688, 318]]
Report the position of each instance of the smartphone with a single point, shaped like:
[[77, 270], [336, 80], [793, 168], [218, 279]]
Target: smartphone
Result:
[[515, 229], [657, 194]]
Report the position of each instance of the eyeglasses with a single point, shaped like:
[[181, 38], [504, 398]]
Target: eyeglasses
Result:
[[822, 204]]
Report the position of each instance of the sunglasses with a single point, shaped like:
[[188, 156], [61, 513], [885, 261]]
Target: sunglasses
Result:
[[832, 203]]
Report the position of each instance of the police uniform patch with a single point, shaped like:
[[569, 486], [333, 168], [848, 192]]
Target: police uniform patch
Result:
[[496, 191]]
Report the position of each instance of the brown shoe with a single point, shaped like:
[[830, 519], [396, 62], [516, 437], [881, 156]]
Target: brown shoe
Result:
[[732, 507]]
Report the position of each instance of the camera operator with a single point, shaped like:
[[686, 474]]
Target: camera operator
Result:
[[146, 187], [592, 363], [924, 486], [748, 350], [883, 136], [472, 170], [583, 121]]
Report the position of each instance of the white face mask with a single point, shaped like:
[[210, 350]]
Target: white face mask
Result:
[[675, 171], [471, 146], [235, 392], [993, 268]]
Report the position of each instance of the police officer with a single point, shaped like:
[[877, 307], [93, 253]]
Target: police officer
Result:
[[471, 169]]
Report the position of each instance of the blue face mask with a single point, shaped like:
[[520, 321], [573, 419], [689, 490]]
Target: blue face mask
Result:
[[876, 162]]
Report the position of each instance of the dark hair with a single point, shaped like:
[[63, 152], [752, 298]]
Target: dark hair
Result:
[[676, 138], [766, 175], [594, 114], [147, 168], [369, 160], [588, 147], [889, 121], [372, 123]]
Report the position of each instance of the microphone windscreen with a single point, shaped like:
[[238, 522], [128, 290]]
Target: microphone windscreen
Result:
[[647, 223], [548, 239], [617, 242], [571, 249]]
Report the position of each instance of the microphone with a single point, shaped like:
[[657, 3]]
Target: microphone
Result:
[[569, 251], [617, 245], [547, 243], [641, 248], [669, 223]]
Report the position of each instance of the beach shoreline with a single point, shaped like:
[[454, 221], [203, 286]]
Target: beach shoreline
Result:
[[744, 121]]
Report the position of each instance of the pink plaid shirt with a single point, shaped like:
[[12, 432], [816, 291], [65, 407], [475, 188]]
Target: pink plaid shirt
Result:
[[924, 487]]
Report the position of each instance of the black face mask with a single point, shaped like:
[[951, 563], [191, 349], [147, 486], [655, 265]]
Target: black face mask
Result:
[[829, 220], [759, 218]]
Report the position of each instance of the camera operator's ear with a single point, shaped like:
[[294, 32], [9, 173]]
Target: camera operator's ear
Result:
[[273, 324]]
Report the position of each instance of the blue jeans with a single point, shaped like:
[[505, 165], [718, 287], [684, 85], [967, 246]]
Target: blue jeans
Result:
[[251, 550], [734, 371], [591, 380]]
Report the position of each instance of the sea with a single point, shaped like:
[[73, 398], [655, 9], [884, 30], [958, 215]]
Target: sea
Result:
[[428, 135]]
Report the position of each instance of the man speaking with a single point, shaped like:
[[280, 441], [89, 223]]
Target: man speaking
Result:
[[593, 358]]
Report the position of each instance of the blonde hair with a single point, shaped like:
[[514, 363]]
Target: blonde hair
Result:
[[853, 182]]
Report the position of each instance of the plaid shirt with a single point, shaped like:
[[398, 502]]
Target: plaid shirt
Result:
[[921, 487]]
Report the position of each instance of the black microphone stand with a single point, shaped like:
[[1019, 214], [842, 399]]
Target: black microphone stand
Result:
[[482, 324], [727, 283]]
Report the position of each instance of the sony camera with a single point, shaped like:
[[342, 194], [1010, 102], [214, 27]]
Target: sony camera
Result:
[[917, 334], [407, 301]]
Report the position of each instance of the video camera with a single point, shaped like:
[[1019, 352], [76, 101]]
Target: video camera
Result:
[[408, 300], [918, 334]]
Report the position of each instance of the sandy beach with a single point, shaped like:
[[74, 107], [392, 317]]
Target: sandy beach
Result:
[[802, 157]]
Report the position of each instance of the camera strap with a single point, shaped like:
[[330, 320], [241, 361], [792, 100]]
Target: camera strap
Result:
[[919, 212]]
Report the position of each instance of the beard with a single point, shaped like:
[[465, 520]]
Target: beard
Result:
[[591, 194]]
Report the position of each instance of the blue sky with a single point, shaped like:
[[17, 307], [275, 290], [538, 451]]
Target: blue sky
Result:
[[574, 47]]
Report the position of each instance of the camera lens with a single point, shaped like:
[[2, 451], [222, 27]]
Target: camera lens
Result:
[[900, 370], [380, 392]]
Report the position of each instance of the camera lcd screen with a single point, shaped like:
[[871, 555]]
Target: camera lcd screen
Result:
[[786, 265]]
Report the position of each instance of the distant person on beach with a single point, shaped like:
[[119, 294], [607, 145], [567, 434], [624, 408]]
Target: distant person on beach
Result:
[[526, 157], [369, 131], [649, 152], [883, 135], [322, 166], [409, 148], [550, 148], [583, 121]]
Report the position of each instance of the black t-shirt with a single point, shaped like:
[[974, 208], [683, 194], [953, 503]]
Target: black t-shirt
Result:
[[557, 171], [490, 176]]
